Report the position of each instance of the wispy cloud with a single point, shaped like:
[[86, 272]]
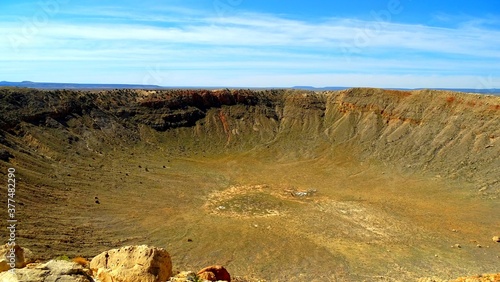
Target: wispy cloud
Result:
[[250, 44]]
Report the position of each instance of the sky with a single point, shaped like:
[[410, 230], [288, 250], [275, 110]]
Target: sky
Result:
[[253, 43]]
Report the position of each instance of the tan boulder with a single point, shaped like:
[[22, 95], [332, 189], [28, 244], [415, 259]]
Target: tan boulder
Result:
[[20, 257], [496, 239], [132, 264], [214, 273]]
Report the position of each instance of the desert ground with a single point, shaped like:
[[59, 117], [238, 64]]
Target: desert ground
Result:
[[352, 185]]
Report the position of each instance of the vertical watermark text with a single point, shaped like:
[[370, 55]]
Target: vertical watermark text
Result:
[[11, 220]]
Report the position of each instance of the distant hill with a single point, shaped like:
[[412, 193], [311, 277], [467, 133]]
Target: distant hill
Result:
[[492, 91], [52, 85], [321, 88]]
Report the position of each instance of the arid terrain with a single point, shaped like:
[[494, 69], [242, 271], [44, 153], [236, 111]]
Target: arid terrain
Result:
[[283, 185]]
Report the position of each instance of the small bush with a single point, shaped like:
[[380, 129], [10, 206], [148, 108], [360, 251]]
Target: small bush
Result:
[[63, 257]]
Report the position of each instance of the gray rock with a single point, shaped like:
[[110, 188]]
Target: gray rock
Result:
[[52, 271]]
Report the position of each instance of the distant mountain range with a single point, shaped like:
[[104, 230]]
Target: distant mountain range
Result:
[[52, 85], [491, 91]]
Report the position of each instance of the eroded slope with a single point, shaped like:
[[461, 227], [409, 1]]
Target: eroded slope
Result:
[[395, 172]]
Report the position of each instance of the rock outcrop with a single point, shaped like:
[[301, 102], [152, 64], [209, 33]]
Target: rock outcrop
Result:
[[144, 264], [132, 264], [419, 130], [61, 141]]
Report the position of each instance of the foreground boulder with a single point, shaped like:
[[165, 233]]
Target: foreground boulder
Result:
[[52, 271], [132, 264], [184, 276], [214, 273], [22, 257]]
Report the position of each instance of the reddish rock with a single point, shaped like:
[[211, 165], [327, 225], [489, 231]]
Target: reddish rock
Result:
[[214, 273]]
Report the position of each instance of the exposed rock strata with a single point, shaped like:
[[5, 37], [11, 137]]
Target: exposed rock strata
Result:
[[449, 134]]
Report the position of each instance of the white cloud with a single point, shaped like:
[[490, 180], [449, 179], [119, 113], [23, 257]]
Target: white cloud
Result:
[[242, 47]]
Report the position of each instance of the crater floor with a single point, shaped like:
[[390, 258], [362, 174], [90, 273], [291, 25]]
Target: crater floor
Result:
[[257, 189]]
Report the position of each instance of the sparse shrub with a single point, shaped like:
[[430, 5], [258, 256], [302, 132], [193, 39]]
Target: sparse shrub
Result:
[[63, 257], [195, 278]]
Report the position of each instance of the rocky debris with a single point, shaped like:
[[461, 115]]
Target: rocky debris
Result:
[[126, 264], [496, 239], [211, 273], [431, 280], [140, 264], [301, 194], [52, 271], [214, 273], [21, 257], [246, 279], [184, 276], [132, 264], [479, 278]]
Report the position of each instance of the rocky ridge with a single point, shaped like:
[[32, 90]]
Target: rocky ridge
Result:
[[419, 130], [445, 135]]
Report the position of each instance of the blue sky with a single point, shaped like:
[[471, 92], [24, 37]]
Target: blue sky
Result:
[[253, 43]]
